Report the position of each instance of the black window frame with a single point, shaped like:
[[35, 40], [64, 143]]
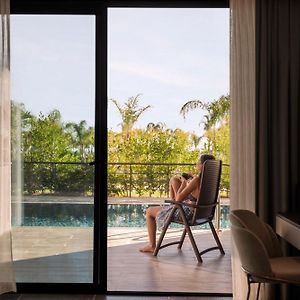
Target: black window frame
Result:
[[99, 9]]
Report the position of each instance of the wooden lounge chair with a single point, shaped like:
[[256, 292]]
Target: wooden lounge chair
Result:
[[204, 210]]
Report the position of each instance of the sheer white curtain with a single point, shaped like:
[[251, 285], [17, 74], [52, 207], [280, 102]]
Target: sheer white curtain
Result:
[[7, 281], [242, 131]]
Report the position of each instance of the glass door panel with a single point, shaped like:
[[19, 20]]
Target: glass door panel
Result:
[[158, 60], [53, 104]]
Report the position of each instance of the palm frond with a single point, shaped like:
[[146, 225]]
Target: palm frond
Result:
[[118, 106], [141, 110], [192, 105]]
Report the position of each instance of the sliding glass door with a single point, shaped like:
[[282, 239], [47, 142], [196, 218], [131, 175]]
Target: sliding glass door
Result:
[[168, 80], [53, 112], [69, 74]]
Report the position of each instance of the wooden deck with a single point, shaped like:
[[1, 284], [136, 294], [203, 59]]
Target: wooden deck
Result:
[[100, 297], [172, 270], [51, 254]]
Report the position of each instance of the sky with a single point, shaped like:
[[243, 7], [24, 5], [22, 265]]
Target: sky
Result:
[[168, 56]]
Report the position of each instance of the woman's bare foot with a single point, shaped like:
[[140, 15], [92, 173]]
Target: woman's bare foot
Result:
[[147, 248]]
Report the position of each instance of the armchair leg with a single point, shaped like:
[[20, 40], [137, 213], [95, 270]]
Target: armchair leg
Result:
[[182, 239], [216, 237]]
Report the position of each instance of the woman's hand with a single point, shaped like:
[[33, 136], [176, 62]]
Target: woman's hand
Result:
[[183, 180], [186, 188]]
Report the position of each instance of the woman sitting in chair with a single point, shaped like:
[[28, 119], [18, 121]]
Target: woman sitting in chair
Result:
[[182, 188]]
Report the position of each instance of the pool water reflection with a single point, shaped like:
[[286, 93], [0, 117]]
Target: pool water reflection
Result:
[[70, 215]]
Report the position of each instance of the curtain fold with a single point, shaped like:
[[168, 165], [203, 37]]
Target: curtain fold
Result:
[[265, 113], [7, 281], [278, 115], [242, 118]]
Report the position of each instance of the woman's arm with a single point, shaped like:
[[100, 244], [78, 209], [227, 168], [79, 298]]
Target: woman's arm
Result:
[[185, 189]]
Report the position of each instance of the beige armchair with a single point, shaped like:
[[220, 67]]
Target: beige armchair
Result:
[[260, 252]]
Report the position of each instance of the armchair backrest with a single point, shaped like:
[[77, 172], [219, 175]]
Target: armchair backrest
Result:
[[209, 189], [249, 220], [253, 255]]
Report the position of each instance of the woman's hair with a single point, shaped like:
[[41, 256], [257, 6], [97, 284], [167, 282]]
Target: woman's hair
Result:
[[205, 157]]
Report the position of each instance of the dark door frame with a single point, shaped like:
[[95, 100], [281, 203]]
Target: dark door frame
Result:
[[99, 9]]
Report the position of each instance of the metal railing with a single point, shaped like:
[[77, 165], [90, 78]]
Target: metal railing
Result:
[[126, 179], [130, 178]]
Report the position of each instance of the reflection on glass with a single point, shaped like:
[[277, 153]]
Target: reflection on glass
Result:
[[52, 144]]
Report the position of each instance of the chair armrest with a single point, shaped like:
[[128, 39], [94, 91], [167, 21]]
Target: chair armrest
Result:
[[171, 201], [180, 203], [207, 205], [191, 204]]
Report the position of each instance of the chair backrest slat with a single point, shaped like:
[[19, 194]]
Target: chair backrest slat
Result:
[[209, 189]]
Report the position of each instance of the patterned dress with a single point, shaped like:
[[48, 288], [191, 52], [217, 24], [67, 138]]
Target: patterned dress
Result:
[[164, 213]]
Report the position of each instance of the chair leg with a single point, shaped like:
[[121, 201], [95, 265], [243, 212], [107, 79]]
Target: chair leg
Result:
[[188, 229], [258, 290], [216, 237], [163, 233], [249, 287], [182, 238]]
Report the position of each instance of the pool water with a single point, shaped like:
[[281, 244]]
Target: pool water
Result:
[[118, 215]]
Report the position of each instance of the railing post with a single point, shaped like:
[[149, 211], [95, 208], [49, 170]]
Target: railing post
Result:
[[51, 184], [130, 179], [167, 183], [219, 213]]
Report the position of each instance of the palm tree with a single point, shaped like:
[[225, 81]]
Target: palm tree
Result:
[[217, 114], [130, 112], [82, 137], [218, 110], [195, 139]]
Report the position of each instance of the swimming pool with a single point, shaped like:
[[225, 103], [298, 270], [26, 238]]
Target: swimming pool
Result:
[[76, 215]]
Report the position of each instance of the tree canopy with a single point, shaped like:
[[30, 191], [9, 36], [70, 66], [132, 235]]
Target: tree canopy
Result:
[[216, 125], [56, 154]]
